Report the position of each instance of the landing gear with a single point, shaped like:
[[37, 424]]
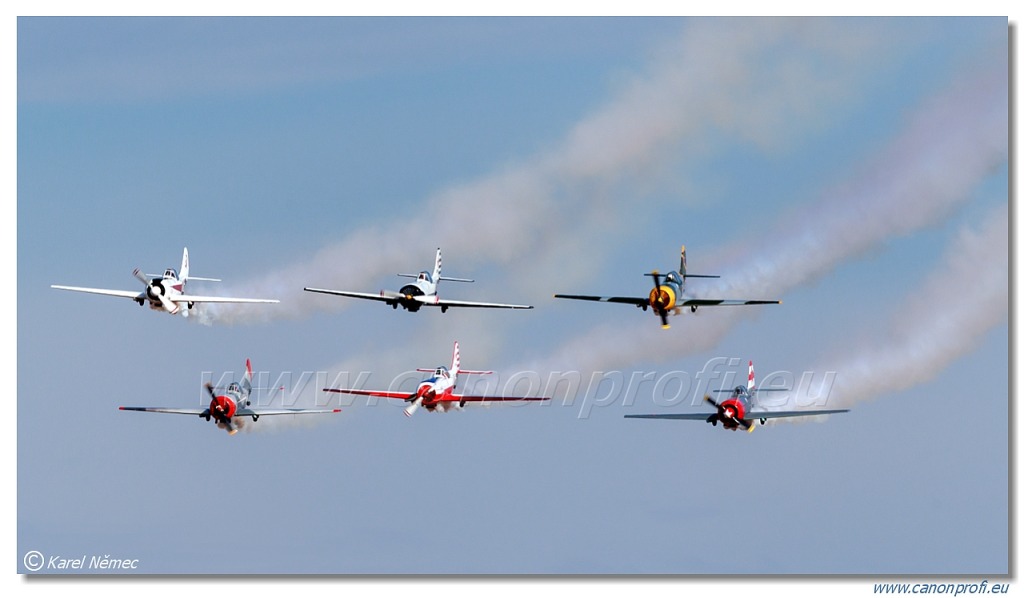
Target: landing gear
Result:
[[693, 309], [255, 417], [763, 420], [444, 308]]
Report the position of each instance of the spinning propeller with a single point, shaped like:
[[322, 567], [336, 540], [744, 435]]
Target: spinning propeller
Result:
[[722, 413], [417, 400], [660, 299], [156, 291], [215, 403]]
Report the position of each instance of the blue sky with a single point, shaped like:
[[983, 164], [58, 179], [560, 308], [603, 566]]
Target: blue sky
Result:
[[854, 168]]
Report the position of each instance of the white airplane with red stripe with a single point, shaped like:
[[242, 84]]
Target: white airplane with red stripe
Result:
[[166, 292], [739, 410], [229, 407], [436, 393], [423, 291]]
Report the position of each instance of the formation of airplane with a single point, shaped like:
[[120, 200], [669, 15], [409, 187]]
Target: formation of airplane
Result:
[[437, 392], [668, 294], [166, 292], [233, 403], [739, 410], [423, 291]]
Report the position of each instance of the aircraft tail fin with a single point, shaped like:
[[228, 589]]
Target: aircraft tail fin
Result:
[[682, 267], [456, 368], [437, 266], [437, 271], [750, 376], [183, 272], [246, 382]]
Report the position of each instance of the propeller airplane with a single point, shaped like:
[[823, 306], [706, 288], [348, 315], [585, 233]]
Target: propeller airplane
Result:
[[166, 292], [233, 403], [739, 411], [422, 292], [668, 294], [436, 393]]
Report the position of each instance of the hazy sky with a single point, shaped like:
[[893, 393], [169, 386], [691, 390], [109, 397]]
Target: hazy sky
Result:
[[854, 168]]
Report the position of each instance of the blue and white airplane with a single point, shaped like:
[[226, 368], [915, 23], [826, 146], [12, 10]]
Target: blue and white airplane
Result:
[[668, 294], [422, 292]]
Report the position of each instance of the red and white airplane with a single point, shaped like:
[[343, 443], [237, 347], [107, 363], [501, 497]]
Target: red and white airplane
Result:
[[436, 393], [422, 292], [233, 403], [166, 292], [739, 411]]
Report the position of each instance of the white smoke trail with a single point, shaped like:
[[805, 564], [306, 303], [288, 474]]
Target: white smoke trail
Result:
[[936, 325], [956, 139], [762, 81], [951, 145]]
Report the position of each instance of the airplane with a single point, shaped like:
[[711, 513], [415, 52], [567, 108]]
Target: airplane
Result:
[[436, 393], [234, 403], [166, 292], [667, 294], [422, 292], [738, 411]]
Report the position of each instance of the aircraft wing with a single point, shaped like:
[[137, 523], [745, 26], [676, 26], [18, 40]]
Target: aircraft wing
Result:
[[480, 399], [693, 416], [450, 303], [373, 393], [774, 414], [746, 416], [710, 302], [112, 293], [261, 412], [165, 410], [637, 301], [240, 412], [382, 296], [201, 299]]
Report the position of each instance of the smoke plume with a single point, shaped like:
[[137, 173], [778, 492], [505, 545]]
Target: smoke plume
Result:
[[760, 82]]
